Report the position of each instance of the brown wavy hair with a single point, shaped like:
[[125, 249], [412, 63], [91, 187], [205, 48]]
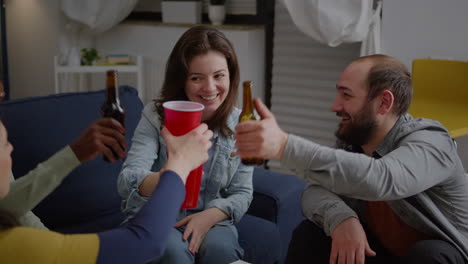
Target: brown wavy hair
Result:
[[196, 41]]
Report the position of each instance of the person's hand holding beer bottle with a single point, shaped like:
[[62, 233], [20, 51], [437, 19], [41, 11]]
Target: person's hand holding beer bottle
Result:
[[263, 138], [105, 136], [111, 108]]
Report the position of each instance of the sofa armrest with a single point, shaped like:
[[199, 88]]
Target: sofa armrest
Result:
[[277, 198]]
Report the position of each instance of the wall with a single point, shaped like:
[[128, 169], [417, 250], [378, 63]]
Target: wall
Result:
[[32, 30], [425, 28]]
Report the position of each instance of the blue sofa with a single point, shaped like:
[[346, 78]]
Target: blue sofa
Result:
[[87, 200]]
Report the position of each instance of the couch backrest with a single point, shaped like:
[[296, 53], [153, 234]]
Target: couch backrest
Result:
[[87, 200]]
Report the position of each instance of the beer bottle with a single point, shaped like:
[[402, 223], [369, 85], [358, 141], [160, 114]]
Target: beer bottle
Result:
[[111, 107], [248, 114]]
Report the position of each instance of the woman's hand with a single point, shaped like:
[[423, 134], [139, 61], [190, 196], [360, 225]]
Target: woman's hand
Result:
[[198, 225], [187, 152]]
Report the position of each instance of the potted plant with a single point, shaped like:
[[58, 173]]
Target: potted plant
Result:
[[217, 11], [177, 11], [89, 56]]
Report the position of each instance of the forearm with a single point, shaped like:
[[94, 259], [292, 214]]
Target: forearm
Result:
[[413, 167], [149, 184], [147, 233], [237, 196], [324, 208], [338, 171], [143, 159], [234, 206], [216, 215], [29, 190]]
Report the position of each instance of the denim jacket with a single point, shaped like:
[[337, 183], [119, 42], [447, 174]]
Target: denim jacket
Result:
[[229, 182]]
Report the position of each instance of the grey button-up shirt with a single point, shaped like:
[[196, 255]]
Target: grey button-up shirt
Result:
[[416, 169]]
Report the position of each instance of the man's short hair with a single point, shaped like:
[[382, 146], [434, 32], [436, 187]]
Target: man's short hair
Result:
[[389, 73]]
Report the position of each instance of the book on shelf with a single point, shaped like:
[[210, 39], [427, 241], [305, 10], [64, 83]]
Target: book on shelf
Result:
[[123, 59]]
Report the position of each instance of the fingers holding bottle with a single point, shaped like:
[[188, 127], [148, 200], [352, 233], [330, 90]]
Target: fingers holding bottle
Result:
[[263, 138]]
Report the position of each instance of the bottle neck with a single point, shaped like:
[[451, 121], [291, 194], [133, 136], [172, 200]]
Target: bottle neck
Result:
[[112, 92], [112, 95], [248, 104]]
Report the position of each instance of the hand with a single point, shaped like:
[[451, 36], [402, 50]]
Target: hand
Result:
[[349, 243], [198, 225], [261, 139], [103, 136], [187, 152]]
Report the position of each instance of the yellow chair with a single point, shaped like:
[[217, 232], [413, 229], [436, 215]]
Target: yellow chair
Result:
[[441, 93]]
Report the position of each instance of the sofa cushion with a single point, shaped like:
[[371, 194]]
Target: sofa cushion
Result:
[[52, 122]]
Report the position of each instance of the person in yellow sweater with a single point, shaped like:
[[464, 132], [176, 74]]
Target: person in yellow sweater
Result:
[[142, 239]]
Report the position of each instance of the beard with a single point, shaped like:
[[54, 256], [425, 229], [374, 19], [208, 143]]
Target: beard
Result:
[[359, 130]]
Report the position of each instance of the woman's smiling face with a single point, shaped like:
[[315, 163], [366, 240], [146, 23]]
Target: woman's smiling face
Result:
[[208, 81]]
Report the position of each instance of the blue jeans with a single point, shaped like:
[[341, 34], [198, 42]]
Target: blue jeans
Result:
[[219, 246]]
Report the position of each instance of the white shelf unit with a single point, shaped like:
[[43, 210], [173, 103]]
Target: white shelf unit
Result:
[[137, 69]]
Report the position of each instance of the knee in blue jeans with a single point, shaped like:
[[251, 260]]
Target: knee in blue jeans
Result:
[[220, 246]]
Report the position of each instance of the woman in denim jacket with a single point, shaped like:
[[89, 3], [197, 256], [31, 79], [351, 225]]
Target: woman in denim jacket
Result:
[[202, 68]]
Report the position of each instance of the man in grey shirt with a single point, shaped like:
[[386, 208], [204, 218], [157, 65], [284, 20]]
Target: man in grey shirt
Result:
[[394, 191]]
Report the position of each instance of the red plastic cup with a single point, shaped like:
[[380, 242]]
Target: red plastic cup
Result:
[[180, 117]]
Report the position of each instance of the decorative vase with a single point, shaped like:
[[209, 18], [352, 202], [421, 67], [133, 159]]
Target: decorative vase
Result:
[[74, 58], [216, 14]]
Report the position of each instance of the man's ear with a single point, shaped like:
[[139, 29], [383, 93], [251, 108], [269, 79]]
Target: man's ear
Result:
[[386, 102]]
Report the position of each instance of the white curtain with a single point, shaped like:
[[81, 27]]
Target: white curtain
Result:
[[87, 18], [98, 15], [372, 43], [333, 22]]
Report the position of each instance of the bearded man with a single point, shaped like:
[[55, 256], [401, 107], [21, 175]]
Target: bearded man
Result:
[[394, 191]]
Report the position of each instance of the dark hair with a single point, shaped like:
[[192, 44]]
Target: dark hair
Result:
[[196, 41], [7, 220], [389, 73]]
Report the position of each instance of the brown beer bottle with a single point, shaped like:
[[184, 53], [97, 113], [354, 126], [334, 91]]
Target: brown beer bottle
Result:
[[111, 107], [248, 114]]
